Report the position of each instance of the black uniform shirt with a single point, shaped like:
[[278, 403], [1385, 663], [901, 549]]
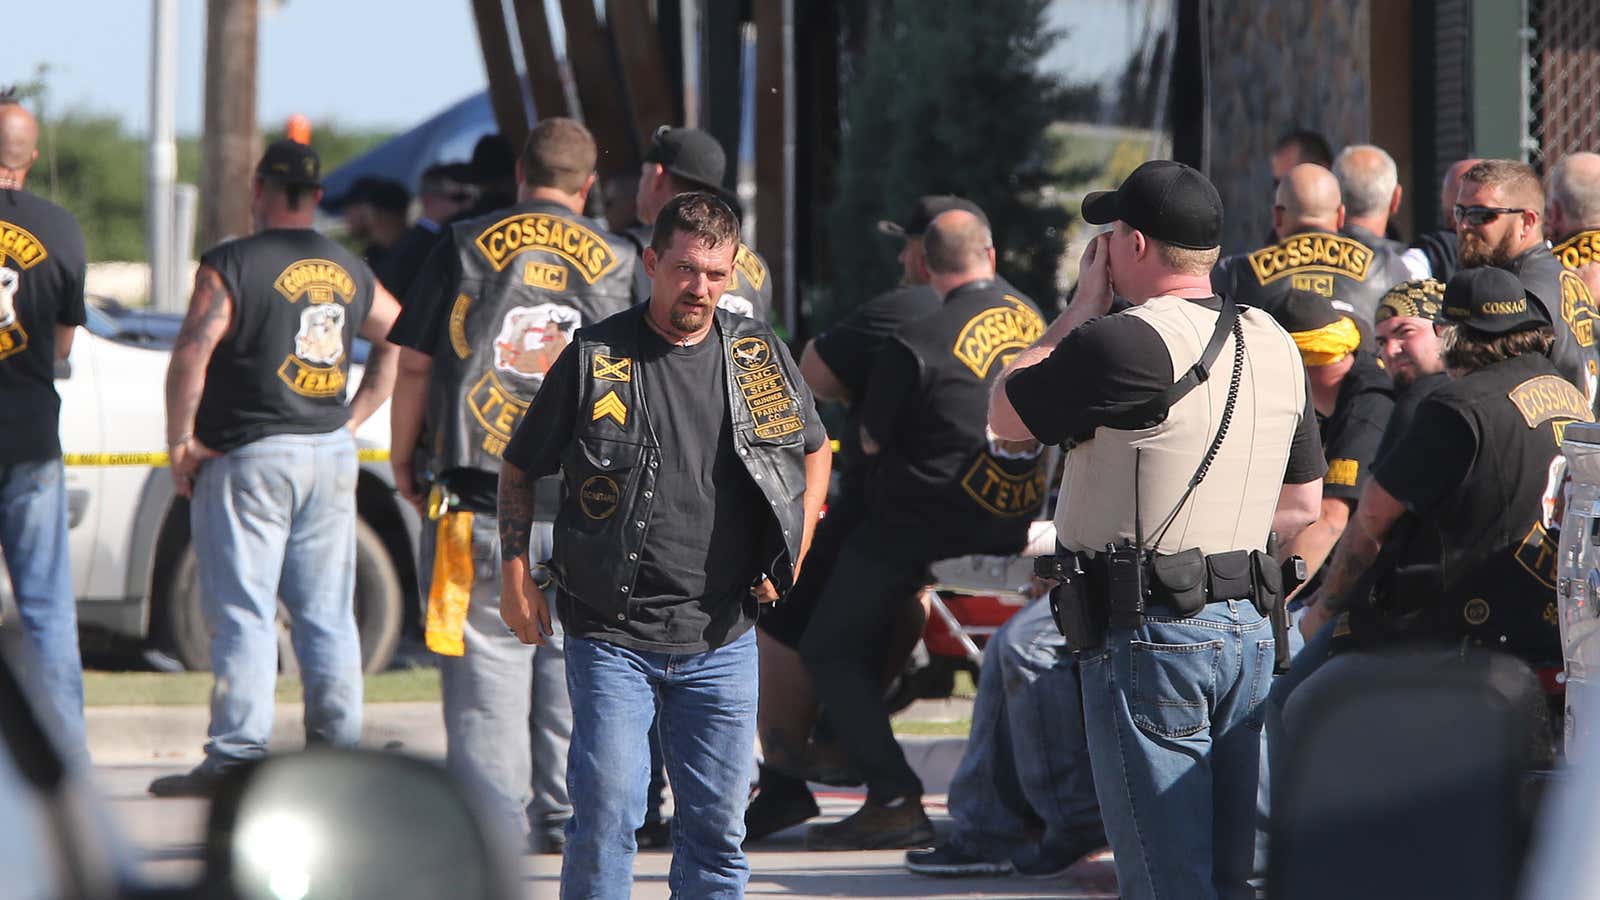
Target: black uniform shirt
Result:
[[1352, 432], [700, 554], [1114, 360], [42, 254]]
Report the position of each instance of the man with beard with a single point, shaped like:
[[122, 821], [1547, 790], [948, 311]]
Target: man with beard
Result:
[[1433, 255], [1411, 350], [1500, 219]]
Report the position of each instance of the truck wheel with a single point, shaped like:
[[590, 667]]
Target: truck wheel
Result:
[[180, 627]]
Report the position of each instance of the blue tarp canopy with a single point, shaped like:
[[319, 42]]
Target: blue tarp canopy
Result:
[[447, 137]]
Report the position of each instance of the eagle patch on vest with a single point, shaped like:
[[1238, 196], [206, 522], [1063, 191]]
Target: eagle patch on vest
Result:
[[997, 333], [312, 370], [1314, 252], [316, 280], [531, 337], [13, 338], [765, 390], [589, 253]]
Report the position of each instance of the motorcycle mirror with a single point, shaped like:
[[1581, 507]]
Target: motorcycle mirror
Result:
[[353, 825]]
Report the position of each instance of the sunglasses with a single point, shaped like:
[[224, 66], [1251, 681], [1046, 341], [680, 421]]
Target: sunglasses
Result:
[[1482, 215]]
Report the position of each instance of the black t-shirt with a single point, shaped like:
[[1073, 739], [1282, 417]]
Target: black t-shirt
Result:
[[700, 555], [1352, 432], [1436, 455], [1406, 400], [42, 262], [404, 260], [298, 302], [851, 347], [1114, 360]]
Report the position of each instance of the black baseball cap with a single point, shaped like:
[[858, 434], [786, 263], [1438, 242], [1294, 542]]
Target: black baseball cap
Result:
[[289, 162], [1166, 200], [927, 207], [690, 154], [1492, 301], [1304, 311]]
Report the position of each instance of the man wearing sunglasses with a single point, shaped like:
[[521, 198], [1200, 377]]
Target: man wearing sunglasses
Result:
[[1500, 222]]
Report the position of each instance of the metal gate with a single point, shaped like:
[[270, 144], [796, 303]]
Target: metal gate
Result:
[[1562, 85]]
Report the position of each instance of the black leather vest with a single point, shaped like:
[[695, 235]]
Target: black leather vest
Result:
[[1345, 267], [531, 276], [609, 469], [1551, 277], [1498, 561]]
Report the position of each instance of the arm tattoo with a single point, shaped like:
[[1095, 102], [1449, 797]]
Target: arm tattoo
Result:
[[515, 511], [210, 311], [1351, 561]]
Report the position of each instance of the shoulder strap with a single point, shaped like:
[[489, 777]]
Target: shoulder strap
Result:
[[1198, 373]]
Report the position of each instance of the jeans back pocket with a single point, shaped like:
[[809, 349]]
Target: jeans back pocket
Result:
[[1173, 686]]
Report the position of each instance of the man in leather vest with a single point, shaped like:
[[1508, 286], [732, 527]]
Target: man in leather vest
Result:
[[262, 443], [1475, 465], [1411, 350], [688, 159], [493, 307], [42, 268], [1369, 184], [1171, 686], [941, 489], [1434, 254], [1500, 220], [1573, 215], [694, 468], [1312, 255]]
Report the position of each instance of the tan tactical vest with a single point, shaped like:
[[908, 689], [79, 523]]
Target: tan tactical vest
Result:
[[1232, 508]]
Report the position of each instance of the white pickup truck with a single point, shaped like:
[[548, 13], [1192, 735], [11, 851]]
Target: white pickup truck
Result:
[[132, 566]]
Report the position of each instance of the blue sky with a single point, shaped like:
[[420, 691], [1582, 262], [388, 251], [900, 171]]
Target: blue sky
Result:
[[380, 63]]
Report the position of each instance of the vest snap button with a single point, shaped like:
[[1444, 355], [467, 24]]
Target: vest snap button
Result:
[[605, 462], [624, 589], [633, 556], [648, 494], [639, 523], [621, 617], [758, 476]]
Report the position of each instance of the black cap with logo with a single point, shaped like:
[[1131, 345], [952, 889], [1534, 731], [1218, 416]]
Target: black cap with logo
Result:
[[289, 162], [690, 154], [1492, 301], [1166, 200], [927, 208]]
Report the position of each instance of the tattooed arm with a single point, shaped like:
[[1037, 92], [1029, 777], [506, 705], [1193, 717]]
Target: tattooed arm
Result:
[[522, 602], [1376, 513], [209, 318], [377, 381]]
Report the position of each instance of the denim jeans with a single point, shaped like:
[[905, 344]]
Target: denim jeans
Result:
[[506, 716], [705, 704], [1026, 754], [1174, 711], [33, 535], [276, 519]]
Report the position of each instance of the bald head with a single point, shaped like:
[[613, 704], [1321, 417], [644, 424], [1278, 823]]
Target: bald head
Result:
[[1308, 197], [1451, 188], [958, 242], [19, 138], [1574, 195]]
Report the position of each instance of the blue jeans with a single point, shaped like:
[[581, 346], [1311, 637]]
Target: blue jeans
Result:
[[506, 717], [276, 519], [1026, 753], [1173, 712], [706, 707], [33, 535]]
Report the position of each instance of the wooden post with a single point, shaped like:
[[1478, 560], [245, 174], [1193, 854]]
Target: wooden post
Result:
[[505, 87], [229, 145], [600, 92], [644, 72], [539, 53], [775, 150]]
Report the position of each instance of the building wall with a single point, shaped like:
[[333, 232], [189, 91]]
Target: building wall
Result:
[[1277, 66]]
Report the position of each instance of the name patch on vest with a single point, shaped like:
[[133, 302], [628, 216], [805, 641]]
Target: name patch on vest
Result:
[[531, 337], [1002, 493], [497, 409], [18, 245], [458, 326], [613, 368], [316, 280], [765, 390], [749, 266], [610, 407], [998, 333], [1331, 253], [313, 370], [1549, 397], [13, 338], [1578, 308], [588, 252], [599, 497], [1580, 249]]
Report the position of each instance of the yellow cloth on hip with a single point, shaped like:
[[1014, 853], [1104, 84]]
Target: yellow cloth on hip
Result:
[[450, 592]]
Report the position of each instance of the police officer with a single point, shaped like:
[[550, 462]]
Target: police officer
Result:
[[492, 309], [1411, 350], [1200, 482], [1475, 465], [42, 266], [1353, 398], [261, 442], [1500, 219], [836, 365], [695, 467], [688, 159], [1311, 255], [941, 489]]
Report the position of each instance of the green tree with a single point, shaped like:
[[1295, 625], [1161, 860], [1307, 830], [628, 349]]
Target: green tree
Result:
[[949, 98]]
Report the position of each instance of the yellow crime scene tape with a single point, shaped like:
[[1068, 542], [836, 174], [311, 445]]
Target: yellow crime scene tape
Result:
[[159, 458]]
